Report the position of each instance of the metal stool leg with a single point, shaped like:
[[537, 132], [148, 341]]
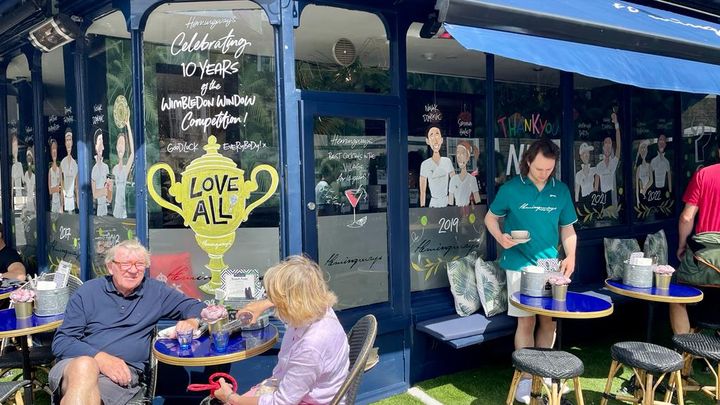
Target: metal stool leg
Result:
[[513, 387], [608, 385]]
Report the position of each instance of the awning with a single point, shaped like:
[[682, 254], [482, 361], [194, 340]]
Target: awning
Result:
[[612, 40]]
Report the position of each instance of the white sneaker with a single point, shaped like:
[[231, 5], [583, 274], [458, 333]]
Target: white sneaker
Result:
[[565, 387], [522, 394]]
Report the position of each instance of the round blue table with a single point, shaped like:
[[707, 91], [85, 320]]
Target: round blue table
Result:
[[576, 306], [13, 327], [677, 293], [242, 345]]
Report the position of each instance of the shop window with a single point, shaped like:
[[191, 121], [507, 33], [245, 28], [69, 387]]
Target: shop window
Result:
[[63, 183], [528, 107], [112, 145], [23, 163], [699, 135], [341, 50], [597, 182], [652, 152], [446, 159], [212, 141], [351, 195]]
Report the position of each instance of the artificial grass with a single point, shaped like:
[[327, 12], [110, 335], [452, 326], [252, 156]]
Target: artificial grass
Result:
[[490, 383]]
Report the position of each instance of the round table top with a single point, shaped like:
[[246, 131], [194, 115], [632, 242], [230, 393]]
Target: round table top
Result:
[[242, 345], [5, 292], [10, 326], [576, 306], [677, 293]]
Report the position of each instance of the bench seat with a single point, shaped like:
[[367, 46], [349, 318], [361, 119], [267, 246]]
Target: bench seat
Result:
[[459, 332]]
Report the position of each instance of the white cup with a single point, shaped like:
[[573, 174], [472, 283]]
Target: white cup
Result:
[[45, 285], [520, 234]]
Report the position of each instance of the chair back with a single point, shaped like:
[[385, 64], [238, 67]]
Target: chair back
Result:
[[149, 383], [361, 339]]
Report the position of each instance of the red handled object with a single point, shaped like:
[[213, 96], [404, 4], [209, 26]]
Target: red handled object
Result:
[[213, 384]]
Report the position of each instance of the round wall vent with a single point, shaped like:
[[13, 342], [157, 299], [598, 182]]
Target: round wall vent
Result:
[[344, 52]]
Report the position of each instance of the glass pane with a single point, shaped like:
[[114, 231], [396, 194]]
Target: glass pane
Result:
[[111, 169], [60, 120], [210, 122], [699, 123], [598, 182], [528, 106], [22, 160], [653, 197], [446, 155], [351, 194], [356, 61]]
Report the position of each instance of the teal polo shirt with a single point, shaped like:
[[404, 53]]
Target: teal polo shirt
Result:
[[539, 212]]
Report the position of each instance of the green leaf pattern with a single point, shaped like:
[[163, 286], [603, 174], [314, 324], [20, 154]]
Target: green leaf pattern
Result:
[[656, 247], [463, 285], [616, 252], [492, 287]]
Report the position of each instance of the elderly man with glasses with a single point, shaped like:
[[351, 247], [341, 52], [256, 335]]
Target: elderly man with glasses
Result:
[[104, 342]]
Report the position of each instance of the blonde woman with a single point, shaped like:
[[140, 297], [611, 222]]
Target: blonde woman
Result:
[[314, 356], [464, 184]]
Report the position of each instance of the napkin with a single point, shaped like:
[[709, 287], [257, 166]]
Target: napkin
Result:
[[167, 332]]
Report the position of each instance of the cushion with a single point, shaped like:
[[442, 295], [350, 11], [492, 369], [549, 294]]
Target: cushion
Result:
[[616, 252], [452, 327], [656, 247], [175, 269], [492, 287], [461, 274]]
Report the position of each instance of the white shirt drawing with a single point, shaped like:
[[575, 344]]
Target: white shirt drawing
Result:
[[661, 167], [120, 175], [99, 175], [586, 180], [606, 172], [462, 189], [17, 182], [69, 169], [643, 174], [55, 182], [437, 177], [29, 180]]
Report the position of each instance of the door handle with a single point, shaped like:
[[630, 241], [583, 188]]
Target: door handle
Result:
[[311, 206]]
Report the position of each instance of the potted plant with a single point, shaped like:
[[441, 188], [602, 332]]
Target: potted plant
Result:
[[663, 275], [23, 299], [559, 286]]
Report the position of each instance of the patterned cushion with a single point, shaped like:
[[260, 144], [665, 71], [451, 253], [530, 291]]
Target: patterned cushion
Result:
[[461, 275], [616, 252], [491, 287], [656, 247]]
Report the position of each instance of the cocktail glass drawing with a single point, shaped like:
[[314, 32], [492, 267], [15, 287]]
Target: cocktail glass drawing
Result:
[[354, 196]]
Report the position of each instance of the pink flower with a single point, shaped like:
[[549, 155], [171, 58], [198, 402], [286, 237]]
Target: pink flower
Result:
[[559, 280], [22, 295], [664, 269], [213, 313]]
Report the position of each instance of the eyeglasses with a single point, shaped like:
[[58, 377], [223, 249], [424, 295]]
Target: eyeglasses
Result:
[[127, 266]]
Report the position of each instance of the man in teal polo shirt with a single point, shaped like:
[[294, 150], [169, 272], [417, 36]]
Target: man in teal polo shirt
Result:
[[538, 203]]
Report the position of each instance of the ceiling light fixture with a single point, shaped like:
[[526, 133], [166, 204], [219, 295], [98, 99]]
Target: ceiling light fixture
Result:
[[53, 33]]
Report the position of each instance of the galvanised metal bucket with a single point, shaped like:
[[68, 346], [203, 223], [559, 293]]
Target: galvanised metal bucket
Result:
[[535, 284], [640, 276], [51, 302]]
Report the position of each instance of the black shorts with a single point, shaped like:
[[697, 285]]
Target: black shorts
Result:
[[707, 309]]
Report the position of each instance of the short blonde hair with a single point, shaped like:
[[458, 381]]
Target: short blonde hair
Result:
[[131, 245], [297, 288]]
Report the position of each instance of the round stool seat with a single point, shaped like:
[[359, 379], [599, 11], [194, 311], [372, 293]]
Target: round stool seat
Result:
[[547, 363], [646, 356], [699, 345]]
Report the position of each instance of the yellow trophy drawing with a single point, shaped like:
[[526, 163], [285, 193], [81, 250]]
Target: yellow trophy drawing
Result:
[[212, 196]]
